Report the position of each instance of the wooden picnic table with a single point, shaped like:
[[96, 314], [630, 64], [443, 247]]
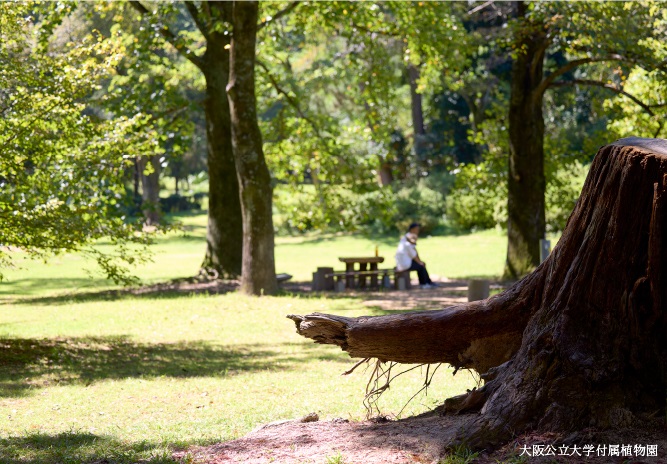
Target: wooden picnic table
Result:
[[364, 263]]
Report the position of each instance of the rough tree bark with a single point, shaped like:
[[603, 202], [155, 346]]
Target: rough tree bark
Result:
[[259, 275], [580, 342], [224, 232], [526, 181]]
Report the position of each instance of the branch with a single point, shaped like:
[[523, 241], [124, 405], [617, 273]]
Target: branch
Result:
[[278, 15], [387, 33], [169, 36], [289, 98], [575, 63], [26, 127], [611, 87], [196, 17], [480, 7]]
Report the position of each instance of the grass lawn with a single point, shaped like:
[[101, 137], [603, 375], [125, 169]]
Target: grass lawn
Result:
[[132, 378]]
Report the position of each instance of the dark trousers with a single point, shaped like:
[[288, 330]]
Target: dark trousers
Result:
[[422, 273]]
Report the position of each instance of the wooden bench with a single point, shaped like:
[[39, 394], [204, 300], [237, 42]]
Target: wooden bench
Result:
[[401, 279]]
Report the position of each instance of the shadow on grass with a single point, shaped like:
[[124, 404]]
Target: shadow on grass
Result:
[[29, 364], [79, 447], [30, 285], [178, 288]]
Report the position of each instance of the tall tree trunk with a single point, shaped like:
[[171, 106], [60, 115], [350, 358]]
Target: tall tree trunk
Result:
[[582, 340], [526, 183], [224, 233], [259, 274], [150, 188], [418, 139], [416, 100]]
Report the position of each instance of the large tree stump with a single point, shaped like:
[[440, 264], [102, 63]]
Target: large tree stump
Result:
[[583, 339]]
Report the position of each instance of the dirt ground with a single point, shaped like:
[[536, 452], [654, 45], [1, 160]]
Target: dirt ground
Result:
[[414, 440], [449, 293], [317, 442]]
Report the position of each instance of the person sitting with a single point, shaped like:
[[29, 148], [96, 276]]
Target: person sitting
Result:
[[407, 258]]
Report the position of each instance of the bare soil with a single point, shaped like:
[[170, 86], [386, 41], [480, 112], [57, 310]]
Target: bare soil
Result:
[[405, 441], [413, 440]]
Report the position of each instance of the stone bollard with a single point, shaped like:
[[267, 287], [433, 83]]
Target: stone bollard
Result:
[[320, 282], [478, 289], [401, 283], [386, 282], [545, 249]]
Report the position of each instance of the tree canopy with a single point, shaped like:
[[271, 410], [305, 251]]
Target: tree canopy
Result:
[[63, 160]]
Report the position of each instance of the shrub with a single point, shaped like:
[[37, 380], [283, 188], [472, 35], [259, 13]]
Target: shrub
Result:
[[384, 210], [419, 203], [478, 199], [562, 193], [176, 203]]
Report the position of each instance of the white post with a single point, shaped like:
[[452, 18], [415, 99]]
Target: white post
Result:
[[478, 289], [545, 249]]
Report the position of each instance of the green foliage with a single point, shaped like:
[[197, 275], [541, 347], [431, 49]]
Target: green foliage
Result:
[[562, 194], [334, 85], [478, 198], [62, 164], [337, 458], [631, 119], [423, 203], [384, 210]]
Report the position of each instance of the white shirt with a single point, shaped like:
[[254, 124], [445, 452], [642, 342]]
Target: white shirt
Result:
[[405, 253]]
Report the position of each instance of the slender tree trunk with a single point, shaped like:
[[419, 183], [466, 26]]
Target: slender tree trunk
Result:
[[136, 181], [150, 189], [418, 139], [582, 340], [259, 275], [224, 233], [385, 174], [416, 99], [526, 181]]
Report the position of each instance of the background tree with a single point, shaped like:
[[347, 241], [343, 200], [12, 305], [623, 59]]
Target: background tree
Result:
[[591, 38], [259, 274], [204, 40], [62, 166], [340, 117]]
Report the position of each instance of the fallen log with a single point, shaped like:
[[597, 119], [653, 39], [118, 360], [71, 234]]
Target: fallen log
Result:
[[478, 335]]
